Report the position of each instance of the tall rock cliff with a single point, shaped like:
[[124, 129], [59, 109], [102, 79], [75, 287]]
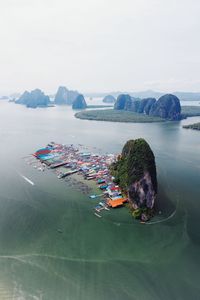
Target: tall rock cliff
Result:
[[122, 101], [132, 104], [33, 99], [135, 172], [167, 107], [148, 104], [65, 96], [79, 102]]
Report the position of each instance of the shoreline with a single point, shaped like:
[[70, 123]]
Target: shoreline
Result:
[[122, 116]]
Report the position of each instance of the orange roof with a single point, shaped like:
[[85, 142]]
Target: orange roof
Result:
[[117, 202]]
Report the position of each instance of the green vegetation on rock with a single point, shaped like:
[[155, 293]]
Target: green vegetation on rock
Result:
[[116, 116], [135, 173], [136, 158]]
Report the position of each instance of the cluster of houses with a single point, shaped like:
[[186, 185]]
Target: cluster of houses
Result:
[[91, 166]]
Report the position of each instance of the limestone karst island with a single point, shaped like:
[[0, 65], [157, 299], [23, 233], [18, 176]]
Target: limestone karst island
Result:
[[125, 179]]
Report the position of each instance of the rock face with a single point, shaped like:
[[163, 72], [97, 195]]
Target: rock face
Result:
[[148, 105], [65, 96], [135, 172], [167, 107], [122, 101], [33, 99], [109, 99], [132, 104], [79, 102]]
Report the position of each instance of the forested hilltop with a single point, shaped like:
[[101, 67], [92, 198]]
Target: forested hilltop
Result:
[[135, 173]]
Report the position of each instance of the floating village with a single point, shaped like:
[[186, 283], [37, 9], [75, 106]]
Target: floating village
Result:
[[69, 160]]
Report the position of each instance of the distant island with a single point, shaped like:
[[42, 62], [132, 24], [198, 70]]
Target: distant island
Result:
[[195, 126], [112, 115], [135, 173], [166, 107], [183, 96], [33, 99], [109, 99], [147, 110], [65, 96], [129, 109], [79, 102]]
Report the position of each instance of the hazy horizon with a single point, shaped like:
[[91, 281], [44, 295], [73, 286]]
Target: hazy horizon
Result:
[[99, 46]]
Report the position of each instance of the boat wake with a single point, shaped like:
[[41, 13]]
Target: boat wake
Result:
[[163, 220], [28, 180]]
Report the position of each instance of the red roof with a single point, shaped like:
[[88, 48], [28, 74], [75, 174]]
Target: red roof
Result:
[[115, 188]]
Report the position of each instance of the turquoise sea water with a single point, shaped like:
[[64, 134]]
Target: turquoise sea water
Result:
[[108, 258]]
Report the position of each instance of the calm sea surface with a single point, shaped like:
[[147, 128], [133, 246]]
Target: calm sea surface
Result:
[[109, 258]]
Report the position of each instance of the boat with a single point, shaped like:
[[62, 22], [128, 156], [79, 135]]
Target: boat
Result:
[[95, 196], [99, 181], [91, 177], [103, 187], [99, 208], [62, 175], [59, 230], [97, 215]]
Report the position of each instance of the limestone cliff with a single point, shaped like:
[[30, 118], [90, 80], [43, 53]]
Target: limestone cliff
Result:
[[33, 99], [65, 96], [132, 104], [148, 102], [79, 102], [167, 107], [122, 101], [135, 172]]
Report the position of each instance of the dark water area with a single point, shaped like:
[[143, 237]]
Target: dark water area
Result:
[[109, 258]]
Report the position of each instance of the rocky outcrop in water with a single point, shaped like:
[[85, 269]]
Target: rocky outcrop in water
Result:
[[34, 99], [122, 101], [65, 96], [135, 172], [79, 102], [109, 99], [167, 107], [149, 102], [132, 104]]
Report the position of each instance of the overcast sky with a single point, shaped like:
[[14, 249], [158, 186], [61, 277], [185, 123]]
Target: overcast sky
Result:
[[99, 45]]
